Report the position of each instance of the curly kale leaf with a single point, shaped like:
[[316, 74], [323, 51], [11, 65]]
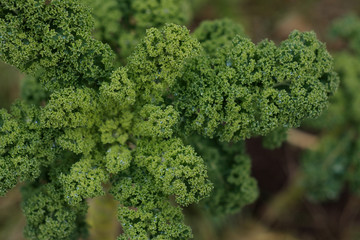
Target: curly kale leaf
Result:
[[216, 34], [248, 89], [54, 36], [145, 211], [123, 23], [176, 168], [159, 59], [229, 170], [48, 215]]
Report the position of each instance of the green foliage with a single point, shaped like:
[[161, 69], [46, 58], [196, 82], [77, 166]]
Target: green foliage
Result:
[[176, 168], [216, 34], [22, 148], [146, 212], [57, 37], [122, 23], [120, 91], [229, 169], [83, 181], [85, 124], [117, 159], [159, 59], [49, 217], [336, 161], [154, 121], [247, 89]]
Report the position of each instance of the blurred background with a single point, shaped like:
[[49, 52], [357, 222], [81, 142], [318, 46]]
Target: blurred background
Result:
[[301, 197]]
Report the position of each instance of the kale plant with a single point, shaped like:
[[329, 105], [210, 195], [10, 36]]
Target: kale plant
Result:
[[159, 132]]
